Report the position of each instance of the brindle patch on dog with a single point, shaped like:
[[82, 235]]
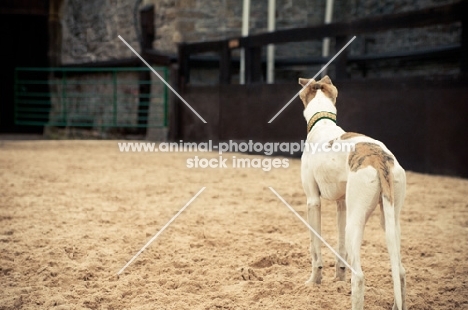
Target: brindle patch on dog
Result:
[[325, 85], [345, 136], [370, 154], [350, 135]]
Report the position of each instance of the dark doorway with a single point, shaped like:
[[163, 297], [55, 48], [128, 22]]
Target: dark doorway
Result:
[[24, 44]]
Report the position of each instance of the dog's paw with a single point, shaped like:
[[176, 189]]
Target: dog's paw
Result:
[[313, 281], [396, 308], [315, 278], [340, 274]]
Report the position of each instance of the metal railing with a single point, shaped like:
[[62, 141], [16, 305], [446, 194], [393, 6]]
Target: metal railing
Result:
[[91, 97]]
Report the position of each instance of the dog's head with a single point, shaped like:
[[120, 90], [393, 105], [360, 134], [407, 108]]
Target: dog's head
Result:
[[325, 85]]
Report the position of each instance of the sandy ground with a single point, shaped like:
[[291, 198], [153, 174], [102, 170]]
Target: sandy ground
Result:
[[72, 213]]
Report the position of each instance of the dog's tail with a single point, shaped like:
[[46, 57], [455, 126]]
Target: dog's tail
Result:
[[390, 234]]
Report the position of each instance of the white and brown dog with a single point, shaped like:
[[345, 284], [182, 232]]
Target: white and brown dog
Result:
[[358, 180]]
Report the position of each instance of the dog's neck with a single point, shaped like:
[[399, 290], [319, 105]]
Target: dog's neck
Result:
[[320, 112], [318, 117]]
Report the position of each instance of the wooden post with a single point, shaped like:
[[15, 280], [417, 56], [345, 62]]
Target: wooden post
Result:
[[174, 107], [184, 70], [147, 37], [147, 27], [225, 64], [464, 41], [253, 65], [55, 34], [342, 60]]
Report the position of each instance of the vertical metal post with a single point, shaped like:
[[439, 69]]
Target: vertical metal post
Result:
[[271, 47], [245, 32], [326, 41], [114, 83]]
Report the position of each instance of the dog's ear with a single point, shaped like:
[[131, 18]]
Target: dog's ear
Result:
[[326, 79], [303, 82]]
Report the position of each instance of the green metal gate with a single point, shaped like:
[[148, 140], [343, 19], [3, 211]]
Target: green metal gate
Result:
[[91, 97]]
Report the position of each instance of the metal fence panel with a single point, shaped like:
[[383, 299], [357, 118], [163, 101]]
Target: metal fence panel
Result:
[[90, 97]]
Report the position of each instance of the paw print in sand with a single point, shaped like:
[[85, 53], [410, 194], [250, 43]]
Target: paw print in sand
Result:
[[248, 274]]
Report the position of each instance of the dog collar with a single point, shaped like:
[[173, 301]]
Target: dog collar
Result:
[[318, 116]]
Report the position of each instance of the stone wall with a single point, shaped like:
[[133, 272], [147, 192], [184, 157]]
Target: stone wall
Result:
[[90, 28]]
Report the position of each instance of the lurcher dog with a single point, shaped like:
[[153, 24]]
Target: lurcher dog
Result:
[[358, 179]]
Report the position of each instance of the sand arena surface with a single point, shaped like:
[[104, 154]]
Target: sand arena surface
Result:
[[72, 213]]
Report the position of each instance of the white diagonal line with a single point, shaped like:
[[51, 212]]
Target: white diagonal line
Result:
[[312, 230], [323, 68], [160, 231], [167, 84]]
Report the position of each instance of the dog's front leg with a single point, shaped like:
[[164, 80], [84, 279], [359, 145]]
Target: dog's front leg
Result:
[[314, 218], [340, 269]]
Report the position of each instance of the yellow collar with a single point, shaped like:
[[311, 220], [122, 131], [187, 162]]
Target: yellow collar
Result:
[[318, 116]]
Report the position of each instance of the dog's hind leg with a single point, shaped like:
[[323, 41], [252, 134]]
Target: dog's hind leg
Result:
[[400, 192], [354, 235], [362, 196], [340, 269], [314, 218]]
